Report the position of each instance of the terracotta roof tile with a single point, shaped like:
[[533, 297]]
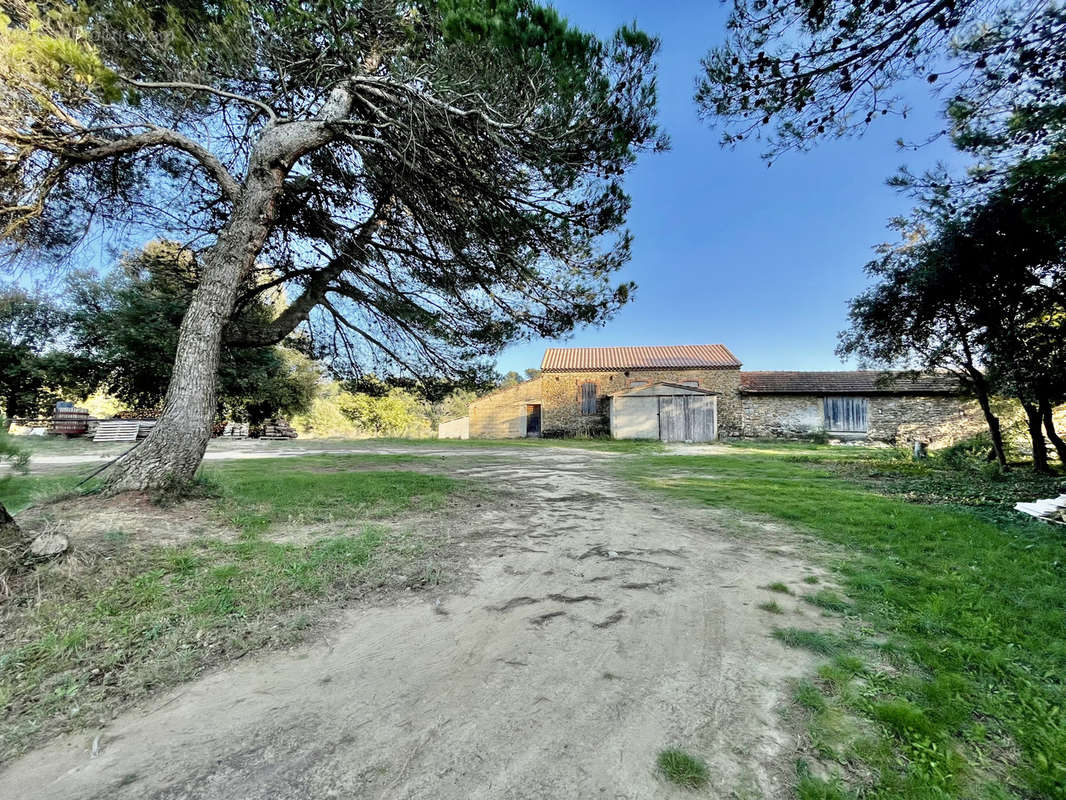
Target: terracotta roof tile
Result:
[[595, 359], [856, 382]]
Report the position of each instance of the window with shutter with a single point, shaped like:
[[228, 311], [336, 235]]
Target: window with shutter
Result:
[[588, 398]]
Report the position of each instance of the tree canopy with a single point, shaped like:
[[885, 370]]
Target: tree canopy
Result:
[[124, 328], [980, 291], [428, 180], [467, 193], [803, 71], [31, 365]]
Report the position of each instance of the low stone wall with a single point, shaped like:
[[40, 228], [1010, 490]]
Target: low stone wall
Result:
[[502, 414], [562, 396], [454, 429]]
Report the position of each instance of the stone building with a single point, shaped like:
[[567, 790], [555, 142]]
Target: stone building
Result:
[[880, 406], [572, 397]]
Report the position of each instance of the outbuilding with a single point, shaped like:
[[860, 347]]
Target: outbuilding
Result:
[[669, 412]]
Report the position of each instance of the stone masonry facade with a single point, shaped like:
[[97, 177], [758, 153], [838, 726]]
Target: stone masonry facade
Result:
[[937, 419], [750, 404], [502, 414], [561, 393]]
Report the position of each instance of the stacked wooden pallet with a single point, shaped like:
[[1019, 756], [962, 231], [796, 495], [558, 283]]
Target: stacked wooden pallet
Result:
[[278, 429], [117, 430], [235, 430], [70, 421]]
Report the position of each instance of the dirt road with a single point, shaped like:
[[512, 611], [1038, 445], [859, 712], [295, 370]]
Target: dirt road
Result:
[[596, 628]]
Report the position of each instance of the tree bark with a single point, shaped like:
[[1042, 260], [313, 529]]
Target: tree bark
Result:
[[1034, 422], [10, 539], [994, 429], [175, 446], [171, 454], [1047, 412]]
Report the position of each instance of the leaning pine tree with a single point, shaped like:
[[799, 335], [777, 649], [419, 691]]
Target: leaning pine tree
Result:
[[426, 180]]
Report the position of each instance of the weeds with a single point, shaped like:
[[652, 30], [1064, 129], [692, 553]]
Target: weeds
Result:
[[679, 767], [815, 641]]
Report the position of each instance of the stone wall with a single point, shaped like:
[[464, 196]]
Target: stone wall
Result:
[[770, 416], [938, 419], [562, 396], [502, 414]]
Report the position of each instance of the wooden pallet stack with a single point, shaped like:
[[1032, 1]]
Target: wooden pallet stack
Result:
[[69, 421], [278, 429], [235, 430]]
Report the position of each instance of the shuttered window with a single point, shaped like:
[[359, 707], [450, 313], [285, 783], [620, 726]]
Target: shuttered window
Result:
[[846, 414], [588, 398]]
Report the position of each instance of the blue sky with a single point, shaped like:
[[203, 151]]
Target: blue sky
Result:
[[728, 250]]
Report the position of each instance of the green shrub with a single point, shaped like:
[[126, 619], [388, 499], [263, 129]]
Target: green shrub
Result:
[[969, 453]]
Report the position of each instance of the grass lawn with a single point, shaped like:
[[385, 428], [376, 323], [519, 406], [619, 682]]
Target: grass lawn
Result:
[[601, 444], [122, 618], [946, 678]]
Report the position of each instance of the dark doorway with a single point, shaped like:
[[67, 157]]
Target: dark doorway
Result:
[[533, 419]]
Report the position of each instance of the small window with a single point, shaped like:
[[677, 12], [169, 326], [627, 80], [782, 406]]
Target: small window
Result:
[[588, 398]]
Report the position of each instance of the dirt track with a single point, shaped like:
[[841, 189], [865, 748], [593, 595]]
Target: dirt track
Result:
[[596, 629]]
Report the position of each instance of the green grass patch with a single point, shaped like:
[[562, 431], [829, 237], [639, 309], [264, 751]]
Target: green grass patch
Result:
[[679, 767], [19, 492], [773, 607], [824, 644], [964, 694], [828, 600], [779, 587], [80, 638], [257, 494]]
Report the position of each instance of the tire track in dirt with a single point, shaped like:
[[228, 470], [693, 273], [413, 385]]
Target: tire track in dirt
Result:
[[527, 686]]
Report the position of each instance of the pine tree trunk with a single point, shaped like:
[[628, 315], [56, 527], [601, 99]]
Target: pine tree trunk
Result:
[[1034, 422], [171, 454], [1048, 415]]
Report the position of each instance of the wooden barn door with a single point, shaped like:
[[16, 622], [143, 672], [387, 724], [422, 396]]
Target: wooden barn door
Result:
[[846, 414], [686, 418], [671, 419], [699, 418]]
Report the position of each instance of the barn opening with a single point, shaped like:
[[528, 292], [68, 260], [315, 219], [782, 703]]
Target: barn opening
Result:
[[670, 412], [847, 414], [533, 419]]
